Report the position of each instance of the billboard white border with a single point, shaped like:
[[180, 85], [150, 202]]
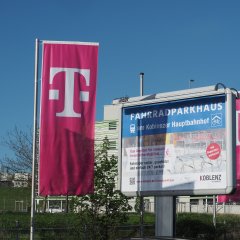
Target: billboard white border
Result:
[[184, 95]]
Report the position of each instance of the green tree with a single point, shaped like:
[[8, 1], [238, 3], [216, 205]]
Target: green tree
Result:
[[104, 210]]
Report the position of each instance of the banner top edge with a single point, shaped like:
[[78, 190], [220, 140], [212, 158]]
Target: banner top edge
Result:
[[70, 42]]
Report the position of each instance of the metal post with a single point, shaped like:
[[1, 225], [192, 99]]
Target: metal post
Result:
[[141, 83], [214, 211], [165, 217], [190, 83], [206, 204], [34, 140], [141, 216], [66, 208], [141, 197], [165, 214], [17, 228]]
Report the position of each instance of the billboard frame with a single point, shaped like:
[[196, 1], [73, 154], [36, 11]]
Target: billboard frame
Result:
[[195, 93]]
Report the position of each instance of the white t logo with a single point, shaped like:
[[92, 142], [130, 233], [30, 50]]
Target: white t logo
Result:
[[68, 110]]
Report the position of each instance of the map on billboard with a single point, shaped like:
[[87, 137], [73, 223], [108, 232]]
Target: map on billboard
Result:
[[174, 146]]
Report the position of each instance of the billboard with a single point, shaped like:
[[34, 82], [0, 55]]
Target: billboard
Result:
[[179, 147], [235, 197]]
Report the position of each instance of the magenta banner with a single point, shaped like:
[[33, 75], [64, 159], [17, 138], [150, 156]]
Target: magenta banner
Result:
[[236, 196], [68, 103]]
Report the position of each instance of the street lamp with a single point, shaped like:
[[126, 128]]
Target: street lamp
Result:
[[190, 83]]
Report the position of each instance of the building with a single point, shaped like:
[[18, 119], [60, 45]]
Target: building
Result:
[[21, 180], [15, 179], [6, 179]]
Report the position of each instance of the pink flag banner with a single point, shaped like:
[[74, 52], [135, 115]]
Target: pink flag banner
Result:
[[235, 197], [67, 119]]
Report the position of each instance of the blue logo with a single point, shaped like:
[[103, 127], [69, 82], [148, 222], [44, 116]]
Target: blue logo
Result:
[[216, 120], [132, 128]]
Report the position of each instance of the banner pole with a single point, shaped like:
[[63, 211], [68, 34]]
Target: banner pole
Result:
[[141, 197], [34, 140]]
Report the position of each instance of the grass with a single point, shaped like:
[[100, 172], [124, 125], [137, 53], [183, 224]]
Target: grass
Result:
[[15, 199], [134, 218]]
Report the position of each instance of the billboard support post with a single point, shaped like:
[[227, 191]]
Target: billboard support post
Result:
[[165, 216]]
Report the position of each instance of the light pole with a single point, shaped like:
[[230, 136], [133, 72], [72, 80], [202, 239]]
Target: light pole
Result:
[[141, 197], [190, 83], [141, 83]]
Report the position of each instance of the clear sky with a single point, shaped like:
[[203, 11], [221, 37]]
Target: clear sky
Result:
[[171, 41]]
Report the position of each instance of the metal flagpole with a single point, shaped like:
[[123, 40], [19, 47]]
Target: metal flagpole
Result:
[[141, 197], [34, 140]]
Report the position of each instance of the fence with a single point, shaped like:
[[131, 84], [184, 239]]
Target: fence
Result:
[[125, 231], [204, 207], [14, 205], [122, 232]]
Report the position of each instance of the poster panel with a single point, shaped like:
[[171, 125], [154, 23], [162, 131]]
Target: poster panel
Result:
[[177, 147], [235, 197]]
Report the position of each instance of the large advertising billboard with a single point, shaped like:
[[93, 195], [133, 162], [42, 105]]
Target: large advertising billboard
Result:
[[177, 147], [235, 197]]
